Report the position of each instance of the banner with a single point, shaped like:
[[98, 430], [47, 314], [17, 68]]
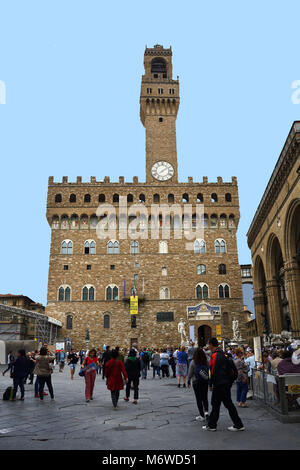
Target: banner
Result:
[[219, 332], [134, 305]]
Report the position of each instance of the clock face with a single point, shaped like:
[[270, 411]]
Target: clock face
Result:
[[162, 171]]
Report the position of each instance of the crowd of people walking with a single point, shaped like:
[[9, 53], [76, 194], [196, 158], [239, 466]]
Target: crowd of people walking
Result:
[[210, 368]]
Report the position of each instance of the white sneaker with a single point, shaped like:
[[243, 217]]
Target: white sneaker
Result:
[[200, 418], [207, 428], [234, 429]]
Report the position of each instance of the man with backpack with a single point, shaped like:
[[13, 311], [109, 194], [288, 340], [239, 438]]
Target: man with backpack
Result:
[[222, 375]]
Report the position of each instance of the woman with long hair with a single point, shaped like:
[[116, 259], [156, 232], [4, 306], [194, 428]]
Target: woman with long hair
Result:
[[198, 371], [90, 365]]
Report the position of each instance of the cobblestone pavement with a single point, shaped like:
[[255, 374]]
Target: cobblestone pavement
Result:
[[163, 419]]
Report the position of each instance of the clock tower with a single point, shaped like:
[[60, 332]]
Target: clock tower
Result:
[[159, 102]]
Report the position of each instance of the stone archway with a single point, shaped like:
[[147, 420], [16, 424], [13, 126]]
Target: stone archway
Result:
[[292, 265], [276, 286], [204, 334]]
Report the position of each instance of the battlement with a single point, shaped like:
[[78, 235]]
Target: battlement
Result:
[[135, 181]]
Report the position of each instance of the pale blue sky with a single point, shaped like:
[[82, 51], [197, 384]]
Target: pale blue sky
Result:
[[72, 70]]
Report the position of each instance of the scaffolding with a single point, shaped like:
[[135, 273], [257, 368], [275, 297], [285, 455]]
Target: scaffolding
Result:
[[46, 329]]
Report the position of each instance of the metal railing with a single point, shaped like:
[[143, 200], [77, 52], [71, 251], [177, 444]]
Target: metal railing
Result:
[[279, 392]]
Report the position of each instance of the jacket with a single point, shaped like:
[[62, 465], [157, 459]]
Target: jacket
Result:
[[133, 367], [20, 368], [42, 366], [114, 370], [221, 369], [164, 359], [242, 369], [155, 360]]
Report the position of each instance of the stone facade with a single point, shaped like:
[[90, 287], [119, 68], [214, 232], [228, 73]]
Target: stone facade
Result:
[[274, 240], [160, 271]]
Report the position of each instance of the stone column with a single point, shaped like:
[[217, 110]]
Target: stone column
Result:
[[275, 316], [259, 309], [292, 278]]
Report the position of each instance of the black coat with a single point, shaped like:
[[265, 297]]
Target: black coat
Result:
[[222, 369], [20, 368], [133, 368]]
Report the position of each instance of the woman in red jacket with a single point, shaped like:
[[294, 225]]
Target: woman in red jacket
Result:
[[115, 373]]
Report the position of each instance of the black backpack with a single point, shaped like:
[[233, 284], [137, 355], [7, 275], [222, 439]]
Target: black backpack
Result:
[[8, 393], [201, 373]]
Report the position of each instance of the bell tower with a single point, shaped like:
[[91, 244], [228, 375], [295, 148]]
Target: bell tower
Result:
[[159, 103]]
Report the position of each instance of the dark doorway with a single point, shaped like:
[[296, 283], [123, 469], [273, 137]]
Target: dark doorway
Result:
[[204, 334]]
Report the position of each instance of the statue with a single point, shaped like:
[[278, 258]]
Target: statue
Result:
[[181, 330], [287, 322], [235, 329], [265, 323]]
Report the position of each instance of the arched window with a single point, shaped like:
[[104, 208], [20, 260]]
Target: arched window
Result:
[[74, 222], [214, 220], [101, 197], [220, 246], [171, 198], [64, 293], [90, 247], [164, 271], [222, 268], [185, 198], [156, 198], [55, 222], [129, 198], [199, 197], [205, 220], [112, 292], [58, 198], [66, 247], [106, 321], [88, 293], [163, 246], [214, 197], [223, 220], [201, 269], [64, 222], [113, 247], [224, 291], [231, 221], [72, 197], [142, 198], [164, 293], [202, 291], [94, 221], [228, 197], [69, 322], [134, 247], [199, 246], [84, 221], [116, 198]]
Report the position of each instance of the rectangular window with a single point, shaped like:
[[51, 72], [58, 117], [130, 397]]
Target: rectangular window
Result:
[[112, 267], [160, 91], [136, 277], [88, 267], [149, 91], [171, 91], [164, 316]]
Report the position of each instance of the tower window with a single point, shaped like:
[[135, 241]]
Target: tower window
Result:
[[171, 91], [66, 267], [160, 91], [228, 197], [214, 197], [58, 198], [87, 198], [160, 119], [158, 65], [101, 197], [164, 75], [73, 198], [88, 267], [155, 75], [149, 91]]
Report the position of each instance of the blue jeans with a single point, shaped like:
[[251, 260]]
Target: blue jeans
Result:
[[19, 382], [241, 391], [156, 369], [144, 370]]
